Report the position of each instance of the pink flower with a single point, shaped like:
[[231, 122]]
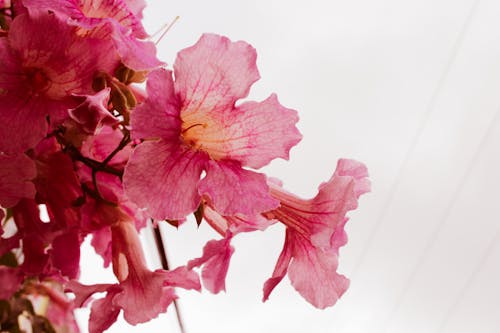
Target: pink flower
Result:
[[141, 294], [40, 72], [117, 21], [192, 125], [315, 231]]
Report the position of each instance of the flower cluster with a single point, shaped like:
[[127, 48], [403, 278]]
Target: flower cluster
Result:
[[82, 141]]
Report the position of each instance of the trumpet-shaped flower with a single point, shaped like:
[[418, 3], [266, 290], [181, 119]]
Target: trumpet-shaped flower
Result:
[[138, 288], [39, 74], [192, 125], [315, 231]]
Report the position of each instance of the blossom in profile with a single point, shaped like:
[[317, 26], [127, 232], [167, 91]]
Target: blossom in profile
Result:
[[138, 288], [314, 234], [192, 125]]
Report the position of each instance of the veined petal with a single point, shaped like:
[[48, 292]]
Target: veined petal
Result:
[[158, 116], [318, 218], [232, 189], [256, 133], [163, 178], [212, 74], [104, 312], [280, 269], [313, 273], [215, 261]]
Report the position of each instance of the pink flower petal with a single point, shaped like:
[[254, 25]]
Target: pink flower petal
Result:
[[257, 133], [315, 231], [313, 273], [214, 73], [93, 112], [83, 292], [158, 116], [151, 292], [234, 224], [280, 269], [163, 178], [232, 189], [16, 173], [215, 261], [10, 280], [101, 241], [104, 312], [318, 218]]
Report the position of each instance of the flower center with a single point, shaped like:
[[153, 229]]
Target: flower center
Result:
[[201, 132], [38, 80]]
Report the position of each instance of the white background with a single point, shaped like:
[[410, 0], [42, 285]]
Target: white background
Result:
[[412, 89]]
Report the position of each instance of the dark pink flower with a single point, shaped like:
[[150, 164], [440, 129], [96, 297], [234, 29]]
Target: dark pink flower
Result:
[[315, 231], [192, 125], [39, 74]]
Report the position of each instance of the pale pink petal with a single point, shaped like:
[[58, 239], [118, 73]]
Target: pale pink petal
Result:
[[101, 241], [215, 261], [10, 280], [16, 173], [163, 178], [256, 133], [315, 231], [214, 73], [280, 269], [136, 54], [356, 170], [152, 292], [232, 189], [318, 218], [158, 116], [93, 112], [104, 312], [83, 292], [313, 273], [235, 224]]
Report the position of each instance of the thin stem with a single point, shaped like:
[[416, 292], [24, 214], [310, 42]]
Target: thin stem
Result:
[[164, 263]]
